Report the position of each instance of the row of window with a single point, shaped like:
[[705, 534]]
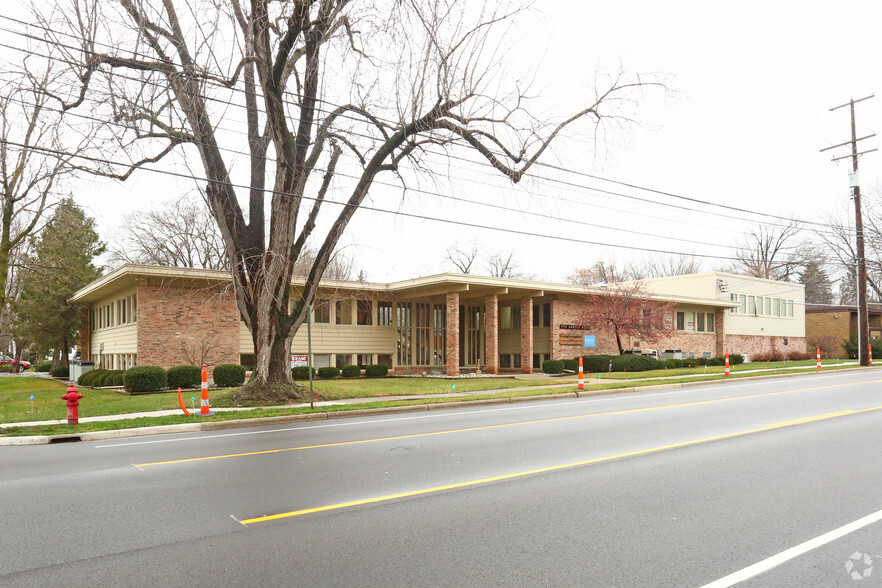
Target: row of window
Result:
[[117, 313], [761, 305], [115, 361], [700, 322], [509, 316]]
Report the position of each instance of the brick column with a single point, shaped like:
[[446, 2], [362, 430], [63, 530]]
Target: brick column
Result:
[[527, 336], [720, 331], [491, 333], [453, 334]]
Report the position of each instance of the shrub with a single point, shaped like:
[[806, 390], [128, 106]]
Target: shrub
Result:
[[60, 372], [117, 378], [633, 363], [227, 375], [43, 366], [672, 364], [351, 371], [595, 363], [145, 378], [553, 366], [717, 361], [736, 359], [572, 364], [6, 368], [89, 377], [184, 376], [328, 372], [380, 371], [301, 372]]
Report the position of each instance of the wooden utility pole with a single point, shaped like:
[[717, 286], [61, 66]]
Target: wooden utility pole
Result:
[[863, 325]]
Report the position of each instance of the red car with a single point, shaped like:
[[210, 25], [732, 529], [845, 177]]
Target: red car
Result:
[[22, 365]]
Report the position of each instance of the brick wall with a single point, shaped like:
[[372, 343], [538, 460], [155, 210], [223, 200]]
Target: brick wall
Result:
[[754, 344], [829, 324], [186, 326], [452, 334]]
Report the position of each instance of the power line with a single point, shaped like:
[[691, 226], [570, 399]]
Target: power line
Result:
[[392, 124]]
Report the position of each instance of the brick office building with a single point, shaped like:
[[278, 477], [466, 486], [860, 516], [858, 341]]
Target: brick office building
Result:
[[828, 326], [446, 323]]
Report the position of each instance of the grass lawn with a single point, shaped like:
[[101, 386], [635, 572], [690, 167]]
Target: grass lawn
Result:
[[775, 367], [15, 393]]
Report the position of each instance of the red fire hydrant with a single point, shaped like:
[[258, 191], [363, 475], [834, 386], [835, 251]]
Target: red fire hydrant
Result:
[[73, 403]]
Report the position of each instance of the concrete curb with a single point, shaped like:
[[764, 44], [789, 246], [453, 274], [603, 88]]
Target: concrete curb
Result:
[[321, 416]]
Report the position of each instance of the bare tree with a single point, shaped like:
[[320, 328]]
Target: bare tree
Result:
[[180, 233], [462, 258], [503, 265], [771, 252], [384, 83], [603, 272], [32, 134], [661, 266], [629, 310]]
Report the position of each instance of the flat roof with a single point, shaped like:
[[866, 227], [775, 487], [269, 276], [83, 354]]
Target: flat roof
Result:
[[128, 275]]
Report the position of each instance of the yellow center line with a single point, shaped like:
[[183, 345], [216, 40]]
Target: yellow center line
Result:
[[490, 427], [555, 468]]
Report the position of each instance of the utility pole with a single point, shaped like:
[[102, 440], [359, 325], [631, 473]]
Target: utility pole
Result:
[[863, 326]]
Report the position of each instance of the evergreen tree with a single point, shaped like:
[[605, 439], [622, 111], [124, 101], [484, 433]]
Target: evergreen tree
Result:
[[818, 286], [61, 262]]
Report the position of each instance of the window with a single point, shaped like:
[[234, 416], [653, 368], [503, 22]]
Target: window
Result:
[[517, 360], [384, 359], [439, 334], [681, 321], [134, 312], [699, 325], [364, 360], [751, 305], [733, 298], [690, 321], [404, 335], [321, 312], [535, 317], [122, 311], [343, 312], [546, 314], [742, 299], [768, 307], [505, 317], [364, 311], [422, 327], [343, 360], [710, 322], [789, 309], [505, 360], [384, 314]]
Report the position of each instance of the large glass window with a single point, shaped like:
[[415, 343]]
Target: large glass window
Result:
[[439, 343], [365, 311], [384, 314], [546, 314], [321, 311], [751, 305], [710, 322], [699, 324], [403, 325], [421, 333], [681, 321], [343, 312]]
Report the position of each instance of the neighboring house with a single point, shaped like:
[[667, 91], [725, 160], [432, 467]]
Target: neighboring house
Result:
[[446, 323], [828, 326]]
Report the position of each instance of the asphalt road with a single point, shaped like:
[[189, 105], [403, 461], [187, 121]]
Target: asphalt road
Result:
[[741, 481]]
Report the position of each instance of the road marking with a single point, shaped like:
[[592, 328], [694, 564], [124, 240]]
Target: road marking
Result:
[[555, 468], [482, 428], [436, 415], [794, 552]]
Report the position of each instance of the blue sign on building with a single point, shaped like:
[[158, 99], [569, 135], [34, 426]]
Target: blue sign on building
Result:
[[589, 341]]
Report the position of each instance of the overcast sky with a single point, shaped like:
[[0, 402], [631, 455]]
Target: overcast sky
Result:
[[751, 88]]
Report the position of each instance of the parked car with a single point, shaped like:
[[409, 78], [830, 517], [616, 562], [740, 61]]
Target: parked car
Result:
[[22, 365]]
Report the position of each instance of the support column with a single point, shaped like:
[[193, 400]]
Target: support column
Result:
[[527, 336], [491, 333], [452, 334]]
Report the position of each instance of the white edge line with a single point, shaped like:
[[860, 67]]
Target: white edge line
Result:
[[780, 558], [605, 398], [238, 521]]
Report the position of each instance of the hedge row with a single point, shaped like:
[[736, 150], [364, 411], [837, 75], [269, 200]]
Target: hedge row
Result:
[[631, 363], [349, 371], [151, 378]]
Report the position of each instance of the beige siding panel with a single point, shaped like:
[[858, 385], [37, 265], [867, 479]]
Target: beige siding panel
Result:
[[116, 340], [334, 339], [509, 341]]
